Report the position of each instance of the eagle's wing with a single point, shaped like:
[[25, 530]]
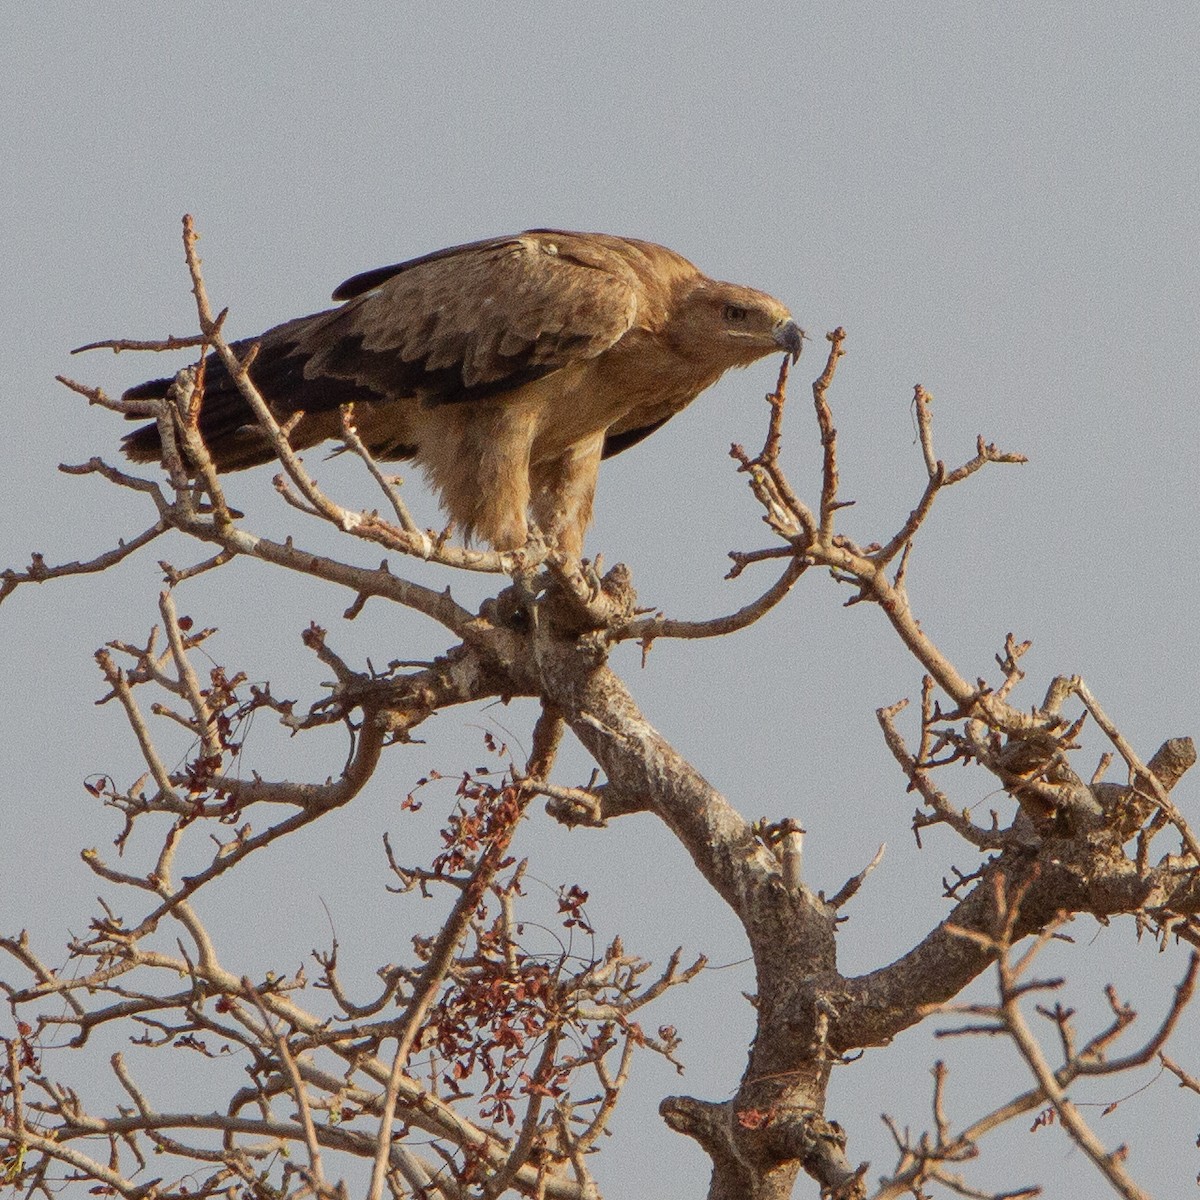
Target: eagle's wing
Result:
[[476, 321], [469, 323]]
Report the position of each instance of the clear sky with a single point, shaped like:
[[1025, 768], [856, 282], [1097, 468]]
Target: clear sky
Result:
[[999, 202]]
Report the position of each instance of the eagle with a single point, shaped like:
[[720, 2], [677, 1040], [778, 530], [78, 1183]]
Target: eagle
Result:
[[507, 369]]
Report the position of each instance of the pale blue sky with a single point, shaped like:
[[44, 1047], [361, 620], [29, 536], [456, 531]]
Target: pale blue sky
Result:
[[999, 202]]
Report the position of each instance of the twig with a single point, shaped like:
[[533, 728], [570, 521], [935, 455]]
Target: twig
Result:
[[38, 572], [430, 982], [1140, 772], [647, 630], [829, 468], [350, 434], [299, 1091]]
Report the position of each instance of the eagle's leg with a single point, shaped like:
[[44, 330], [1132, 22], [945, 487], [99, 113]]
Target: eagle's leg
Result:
[[478, 459], [499, 504], [563, 491]]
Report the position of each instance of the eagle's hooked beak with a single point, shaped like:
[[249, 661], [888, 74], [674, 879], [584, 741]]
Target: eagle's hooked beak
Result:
[[790, 337]]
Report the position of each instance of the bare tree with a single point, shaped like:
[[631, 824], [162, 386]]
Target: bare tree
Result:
[[483, 1067]]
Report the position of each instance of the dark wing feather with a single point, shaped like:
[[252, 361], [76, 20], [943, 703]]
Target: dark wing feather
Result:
[[227, 424], [616, 443], [368, 281]]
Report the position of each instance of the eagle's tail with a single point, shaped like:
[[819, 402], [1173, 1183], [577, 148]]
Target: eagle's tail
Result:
[[227, 424]]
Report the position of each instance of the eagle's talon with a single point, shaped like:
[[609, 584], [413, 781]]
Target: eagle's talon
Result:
[[591, 577], [513, 562]]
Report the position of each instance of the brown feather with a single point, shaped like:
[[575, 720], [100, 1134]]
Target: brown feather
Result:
[[506, 368]]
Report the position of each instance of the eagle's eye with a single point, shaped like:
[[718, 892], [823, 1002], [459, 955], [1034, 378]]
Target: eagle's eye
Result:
[[735, 312]]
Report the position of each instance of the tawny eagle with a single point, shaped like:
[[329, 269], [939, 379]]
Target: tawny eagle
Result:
[[507, 369]]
